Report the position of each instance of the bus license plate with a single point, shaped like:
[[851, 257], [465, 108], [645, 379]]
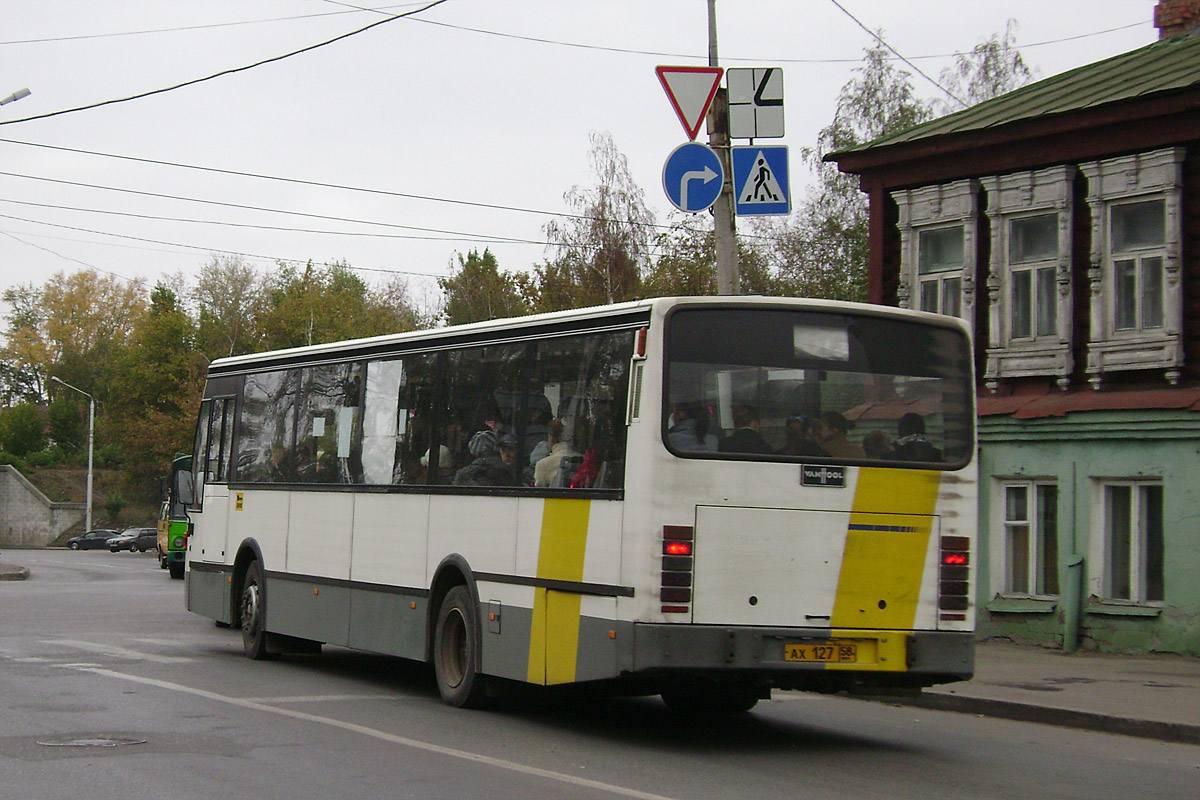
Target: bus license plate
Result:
[[823, 653]]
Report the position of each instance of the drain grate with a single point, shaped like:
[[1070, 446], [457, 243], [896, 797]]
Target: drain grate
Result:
[[90, 741]]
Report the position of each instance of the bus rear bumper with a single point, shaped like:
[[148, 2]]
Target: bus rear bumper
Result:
[[821, 659]]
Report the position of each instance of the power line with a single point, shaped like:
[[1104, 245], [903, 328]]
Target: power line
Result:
[[223, 73], [185, 28], [196, 247], [896, 52], [305, 182], [242, 207], [539, 40]]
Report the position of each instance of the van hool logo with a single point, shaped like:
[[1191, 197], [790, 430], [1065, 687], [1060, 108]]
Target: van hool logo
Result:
[[822, 476]]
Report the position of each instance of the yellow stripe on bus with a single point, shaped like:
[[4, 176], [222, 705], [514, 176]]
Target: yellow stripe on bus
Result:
[[886, 546], [554, 636]]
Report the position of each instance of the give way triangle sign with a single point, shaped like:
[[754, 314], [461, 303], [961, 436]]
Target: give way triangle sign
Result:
[[691, 91]]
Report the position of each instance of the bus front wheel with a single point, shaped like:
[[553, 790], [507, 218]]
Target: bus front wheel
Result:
[[455, 650], [252, 607]]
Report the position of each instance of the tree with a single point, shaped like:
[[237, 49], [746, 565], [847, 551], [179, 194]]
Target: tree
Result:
[[22, 430], [24, 358], [226, 295], [154, 388], [84, 310], [686, 264], [66, 418], [328, 304], [601, 249], [476, 290], [992, 68]]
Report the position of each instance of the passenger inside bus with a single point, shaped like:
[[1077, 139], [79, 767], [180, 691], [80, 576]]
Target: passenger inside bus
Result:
[[911, 444], [547, 471], [689, 429], [488, 467], [445, 467], [745, 437], [832, 428], [800, 430]]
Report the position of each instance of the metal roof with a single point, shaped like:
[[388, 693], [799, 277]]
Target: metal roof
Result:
[[1168, 65]]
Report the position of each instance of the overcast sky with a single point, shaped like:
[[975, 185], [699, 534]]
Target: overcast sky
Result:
[[467, 122]]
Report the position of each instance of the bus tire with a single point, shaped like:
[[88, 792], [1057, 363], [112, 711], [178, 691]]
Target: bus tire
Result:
[[176, 569], [252, 608], [456, 650]]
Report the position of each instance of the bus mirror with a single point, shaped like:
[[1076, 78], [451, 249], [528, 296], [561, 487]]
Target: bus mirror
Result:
[[184, 491]]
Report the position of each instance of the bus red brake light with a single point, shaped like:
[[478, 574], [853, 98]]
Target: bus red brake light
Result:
[[955, 559], [677, 548], [675, 590]]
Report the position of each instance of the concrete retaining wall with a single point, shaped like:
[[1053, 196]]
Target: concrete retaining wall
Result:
[[27, 517]]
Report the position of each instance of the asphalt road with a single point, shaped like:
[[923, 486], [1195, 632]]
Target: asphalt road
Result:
[[96, 648]]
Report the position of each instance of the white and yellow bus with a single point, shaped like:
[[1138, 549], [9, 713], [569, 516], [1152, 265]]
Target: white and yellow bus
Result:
[[699, 497]]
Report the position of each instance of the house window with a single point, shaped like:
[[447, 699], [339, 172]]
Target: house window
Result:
[[939, 268], [1133, 541], [1034, 308], [1138, 242], [1031, 538]]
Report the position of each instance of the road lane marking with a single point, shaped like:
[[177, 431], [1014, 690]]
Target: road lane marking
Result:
[[321, 698], [404, 741], [118, 652]]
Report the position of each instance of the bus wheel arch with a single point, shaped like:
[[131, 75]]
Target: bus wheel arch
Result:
[[248, 601], [455, 636]]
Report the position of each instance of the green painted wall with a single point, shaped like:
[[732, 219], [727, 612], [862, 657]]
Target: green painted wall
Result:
[[1076, 451]]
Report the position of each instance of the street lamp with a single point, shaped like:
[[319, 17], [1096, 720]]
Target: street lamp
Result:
[[91, 430], [15, 96]]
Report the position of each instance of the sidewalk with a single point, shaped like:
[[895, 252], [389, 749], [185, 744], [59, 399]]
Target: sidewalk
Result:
[[1151, 696]]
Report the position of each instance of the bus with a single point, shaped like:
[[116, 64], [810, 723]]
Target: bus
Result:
[[173, 519], [703, 498]]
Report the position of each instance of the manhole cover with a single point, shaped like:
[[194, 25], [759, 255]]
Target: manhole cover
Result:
[[90, 741]]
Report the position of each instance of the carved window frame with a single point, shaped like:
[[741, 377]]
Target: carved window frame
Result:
[[928, 209], [1040, 352], [1113, 183]]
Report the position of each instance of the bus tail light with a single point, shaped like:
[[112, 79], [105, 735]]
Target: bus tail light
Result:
[[954, 577], [676, 589]]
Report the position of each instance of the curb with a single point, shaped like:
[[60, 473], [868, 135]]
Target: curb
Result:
[[9, 572], [1047, 715]]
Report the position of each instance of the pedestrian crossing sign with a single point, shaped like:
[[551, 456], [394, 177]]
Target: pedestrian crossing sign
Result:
[[760, 180]]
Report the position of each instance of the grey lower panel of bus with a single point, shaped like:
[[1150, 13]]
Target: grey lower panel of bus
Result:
[[359, 618], [394, 623], [208, 593], [701, 647]]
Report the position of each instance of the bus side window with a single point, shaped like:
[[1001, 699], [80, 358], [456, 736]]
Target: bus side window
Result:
[[586, 378], [200, 448]]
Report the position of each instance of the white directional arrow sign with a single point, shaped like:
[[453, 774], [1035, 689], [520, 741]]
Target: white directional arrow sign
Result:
[[692, 177], [705, 175], [691, 91]]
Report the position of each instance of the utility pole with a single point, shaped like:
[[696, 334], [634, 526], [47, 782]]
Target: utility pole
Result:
[[724, 222]]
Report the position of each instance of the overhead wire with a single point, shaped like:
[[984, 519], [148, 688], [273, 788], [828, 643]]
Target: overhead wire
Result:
[[351, 9], [244, 207], [875, 35], [226, 72]]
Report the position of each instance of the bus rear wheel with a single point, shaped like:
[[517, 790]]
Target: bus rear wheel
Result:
[[252, 608], [455, 650]]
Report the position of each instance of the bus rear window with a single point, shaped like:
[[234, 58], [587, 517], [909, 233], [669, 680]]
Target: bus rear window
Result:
[[787, 385]]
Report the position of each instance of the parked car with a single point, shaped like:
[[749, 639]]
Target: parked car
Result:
[[134, 539], [92, 540]]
